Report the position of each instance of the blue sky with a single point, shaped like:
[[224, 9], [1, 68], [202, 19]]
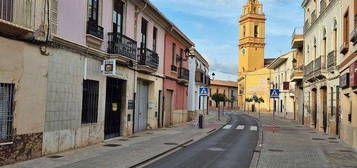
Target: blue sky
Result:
[[213, 26]]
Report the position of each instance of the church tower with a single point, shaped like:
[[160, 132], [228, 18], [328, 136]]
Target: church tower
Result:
[[251, 38]]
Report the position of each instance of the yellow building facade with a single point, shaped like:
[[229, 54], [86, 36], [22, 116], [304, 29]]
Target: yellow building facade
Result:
[[253, 76]]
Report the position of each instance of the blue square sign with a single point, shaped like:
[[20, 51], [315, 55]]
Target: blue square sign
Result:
[[203, 91], [274, 93]]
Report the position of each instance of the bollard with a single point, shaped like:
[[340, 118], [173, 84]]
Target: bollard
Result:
[[200, 121]]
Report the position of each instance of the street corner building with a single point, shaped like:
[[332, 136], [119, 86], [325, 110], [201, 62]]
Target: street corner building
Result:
[[229, 89], [80, 72], [254, 78]]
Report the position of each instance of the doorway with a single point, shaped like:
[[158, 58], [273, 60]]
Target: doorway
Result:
[[323, 92], [113, 106], [314, 107], [141, 114], [168, 107]]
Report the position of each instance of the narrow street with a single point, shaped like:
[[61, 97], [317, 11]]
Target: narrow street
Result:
[[232, 146]]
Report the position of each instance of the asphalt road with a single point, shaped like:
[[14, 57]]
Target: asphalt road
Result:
[[230, 147]]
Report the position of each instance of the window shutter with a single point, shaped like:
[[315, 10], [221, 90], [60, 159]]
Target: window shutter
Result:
[[53, 16]]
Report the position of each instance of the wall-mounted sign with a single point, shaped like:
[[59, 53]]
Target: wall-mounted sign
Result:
[[344, 80], [109, 67], [286, 86], [131, 104], [353, 74]]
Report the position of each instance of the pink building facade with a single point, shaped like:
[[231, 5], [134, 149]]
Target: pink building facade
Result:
[[176, 77]]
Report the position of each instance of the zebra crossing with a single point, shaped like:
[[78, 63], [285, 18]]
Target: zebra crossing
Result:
[[240, 127]]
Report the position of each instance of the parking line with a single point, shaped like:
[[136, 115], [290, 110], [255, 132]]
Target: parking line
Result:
[[253, 128]]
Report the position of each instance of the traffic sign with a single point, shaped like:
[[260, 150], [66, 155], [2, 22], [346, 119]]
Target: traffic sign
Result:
[[204, 91], [274, 93]]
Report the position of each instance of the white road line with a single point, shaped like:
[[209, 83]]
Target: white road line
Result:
[[227, 127], [253, 128], [240, 127]]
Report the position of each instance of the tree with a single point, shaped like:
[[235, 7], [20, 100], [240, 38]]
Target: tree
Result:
[[260, 100], [218, 98], [248, 100]]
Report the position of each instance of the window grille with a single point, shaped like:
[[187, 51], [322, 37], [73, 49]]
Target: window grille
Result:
[[6, 10], [90, 101], [6, 111]]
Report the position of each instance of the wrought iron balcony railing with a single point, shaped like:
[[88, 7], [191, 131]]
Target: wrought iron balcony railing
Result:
[[306, 25], [121, 44], [148, 58], [320, 63], [173, 68], [353, 35], [184, 73], [323, 6], [94, 29], [344, 48], [313, 16], [308, 69], [331, 61]]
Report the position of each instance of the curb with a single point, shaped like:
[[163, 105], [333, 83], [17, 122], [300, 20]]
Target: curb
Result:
[[258, 149], [182, 145]]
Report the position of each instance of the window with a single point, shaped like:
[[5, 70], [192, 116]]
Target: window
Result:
[[173, 54], [244, 31], [93, 8], [6, 10], [346, 29], [90, 101], [118, 17], [255, 30], [144, 25], [6, 111], [154, 39]]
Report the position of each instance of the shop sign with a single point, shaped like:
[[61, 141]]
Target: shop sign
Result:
[[109, 67], [353, 74], [344, 81]]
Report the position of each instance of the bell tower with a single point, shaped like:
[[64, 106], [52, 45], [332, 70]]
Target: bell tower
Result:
[[251, 37]]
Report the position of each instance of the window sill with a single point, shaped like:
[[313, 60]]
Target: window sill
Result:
[[90, 124], [6, 143]]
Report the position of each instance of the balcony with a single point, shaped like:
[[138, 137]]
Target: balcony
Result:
[[94, 29], [353, 35], [331, 61], [320, 67], [306, 25], [17, 18], [323, 6], [199, 76], [297, 75], [297, 38], [184, 74], [313, 16], [120, 44], [344, 48], [308, 70], [148, 61]]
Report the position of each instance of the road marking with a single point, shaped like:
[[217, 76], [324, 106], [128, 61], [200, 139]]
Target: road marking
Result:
[[227, 127], [253, 128], [240, 127]]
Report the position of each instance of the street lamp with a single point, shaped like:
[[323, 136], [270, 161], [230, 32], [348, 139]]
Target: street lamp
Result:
[[213, 75]]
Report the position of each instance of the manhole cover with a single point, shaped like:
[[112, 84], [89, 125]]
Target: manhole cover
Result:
[[123, 140], [111, 145], [170, 143], [318, 139], [134, 136], [54, 156], [276, 150], [347, 151], [216, 149]]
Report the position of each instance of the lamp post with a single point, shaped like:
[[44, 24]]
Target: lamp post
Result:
[[213, 75]]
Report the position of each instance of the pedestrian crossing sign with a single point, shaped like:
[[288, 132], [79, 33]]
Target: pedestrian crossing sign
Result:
[[204, 91], [274, 93]]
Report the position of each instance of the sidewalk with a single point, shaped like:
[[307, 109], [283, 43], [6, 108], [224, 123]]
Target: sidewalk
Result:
[[125, 152], [296, 146]]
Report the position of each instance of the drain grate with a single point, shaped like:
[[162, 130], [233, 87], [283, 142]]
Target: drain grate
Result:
[[170, 143], [149, 133], [318, 139], [123, 139], [299, 126], [312, 132], [333, 142], [134, 136], [332, 138], [54, 156], [256, 151], [111, 145], [275, 150], [345, 151]]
